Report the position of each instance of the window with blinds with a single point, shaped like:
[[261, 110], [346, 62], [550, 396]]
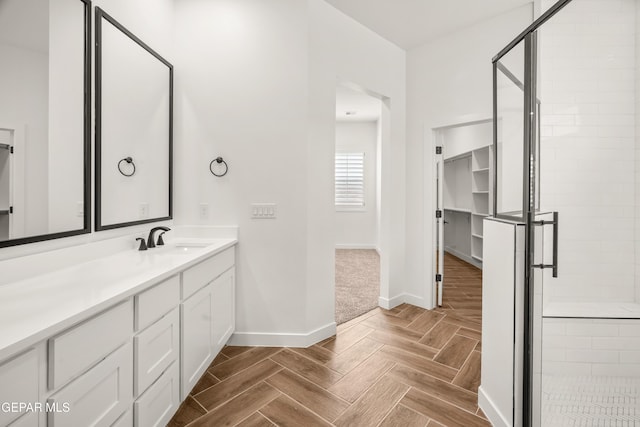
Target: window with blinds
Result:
[[350, 180]]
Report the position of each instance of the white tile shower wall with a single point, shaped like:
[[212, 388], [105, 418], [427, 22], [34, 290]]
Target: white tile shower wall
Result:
[[591, 347], [588, 148]]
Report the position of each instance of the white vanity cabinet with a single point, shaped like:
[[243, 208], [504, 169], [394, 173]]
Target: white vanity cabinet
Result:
[[134, 362]]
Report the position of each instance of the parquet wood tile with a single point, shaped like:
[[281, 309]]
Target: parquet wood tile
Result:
[[469, 375], [189, 411], [314, 397], [402, 367], [374, 404], [242, 361], [435, 387], [239, 408], [440, 334], [456, 351], [403, 344], [349, 337], [419, 363], [401, 416], [425, 322], [219, 393], [353, 356], [317, 353], [441, 411], [256, 420], [204, 383], [307, 368], [286, 412], [361, 378]]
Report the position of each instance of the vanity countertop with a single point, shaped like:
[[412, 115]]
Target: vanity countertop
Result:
[[41, 306]]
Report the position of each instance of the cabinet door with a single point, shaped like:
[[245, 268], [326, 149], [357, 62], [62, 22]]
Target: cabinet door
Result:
[[197, 338], [98, 397], [224, 315], [18, 383]]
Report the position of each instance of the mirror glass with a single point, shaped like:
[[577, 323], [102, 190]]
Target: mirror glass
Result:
[[133, 128], [44, 128]]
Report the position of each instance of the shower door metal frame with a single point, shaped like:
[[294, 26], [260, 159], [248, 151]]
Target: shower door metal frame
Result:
[[529, 195]]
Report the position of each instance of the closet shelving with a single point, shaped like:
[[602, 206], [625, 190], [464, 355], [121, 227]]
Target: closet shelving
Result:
[[468, 200]]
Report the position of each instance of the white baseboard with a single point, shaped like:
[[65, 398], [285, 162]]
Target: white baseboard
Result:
[[262, 339], [356, 246], [389, 303], [416, 300], [490, 410]]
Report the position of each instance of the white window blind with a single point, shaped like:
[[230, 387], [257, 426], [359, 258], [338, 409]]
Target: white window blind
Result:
[[350, 180]]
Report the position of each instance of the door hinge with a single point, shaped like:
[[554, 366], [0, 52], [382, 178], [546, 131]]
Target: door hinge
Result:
[[438, 277], [10, 209], [11, 149], [438, 149], [438, 213]]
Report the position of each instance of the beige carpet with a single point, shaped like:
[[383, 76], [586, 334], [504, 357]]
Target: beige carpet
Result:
[[357, 282]]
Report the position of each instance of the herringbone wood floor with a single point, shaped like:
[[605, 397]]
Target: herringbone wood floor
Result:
[[402, 367]]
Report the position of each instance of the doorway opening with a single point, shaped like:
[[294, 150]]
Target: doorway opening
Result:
[[358, 140], [464, 198]]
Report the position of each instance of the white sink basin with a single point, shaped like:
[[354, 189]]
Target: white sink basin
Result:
[[186, 248]]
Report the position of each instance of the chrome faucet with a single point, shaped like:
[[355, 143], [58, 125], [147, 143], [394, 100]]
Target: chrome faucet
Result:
[[150, 241]]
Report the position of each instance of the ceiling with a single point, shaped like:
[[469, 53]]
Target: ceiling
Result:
[[363, 108], [411, 23]]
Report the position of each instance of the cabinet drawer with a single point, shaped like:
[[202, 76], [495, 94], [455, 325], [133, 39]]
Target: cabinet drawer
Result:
[[99, 397], [18, 383], [199, 275], [126, 420], [155, 349], [77, 349], [158, 404], [154, 303], [27, 420]]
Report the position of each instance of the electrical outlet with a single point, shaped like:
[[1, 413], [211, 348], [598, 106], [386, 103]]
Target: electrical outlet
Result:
[[204, 211], [263, 210], [144, 210]]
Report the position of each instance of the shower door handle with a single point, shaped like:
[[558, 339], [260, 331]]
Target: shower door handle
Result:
[[554, 264]]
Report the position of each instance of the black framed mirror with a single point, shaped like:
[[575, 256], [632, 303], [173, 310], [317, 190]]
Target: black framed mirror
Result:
[[134, 129], [45, 120]]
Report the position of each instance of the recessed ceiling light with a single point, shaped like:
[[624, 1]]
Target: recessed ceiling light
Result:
[[351, 113]]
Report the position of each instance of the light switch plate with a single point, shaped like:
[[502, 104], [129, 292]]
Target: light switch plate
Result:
[[263, 210]]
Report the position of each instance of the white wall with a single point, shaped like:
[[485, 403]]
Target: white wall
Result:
[[358, 228], [241, 91], [256, 85], [448, 81]]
